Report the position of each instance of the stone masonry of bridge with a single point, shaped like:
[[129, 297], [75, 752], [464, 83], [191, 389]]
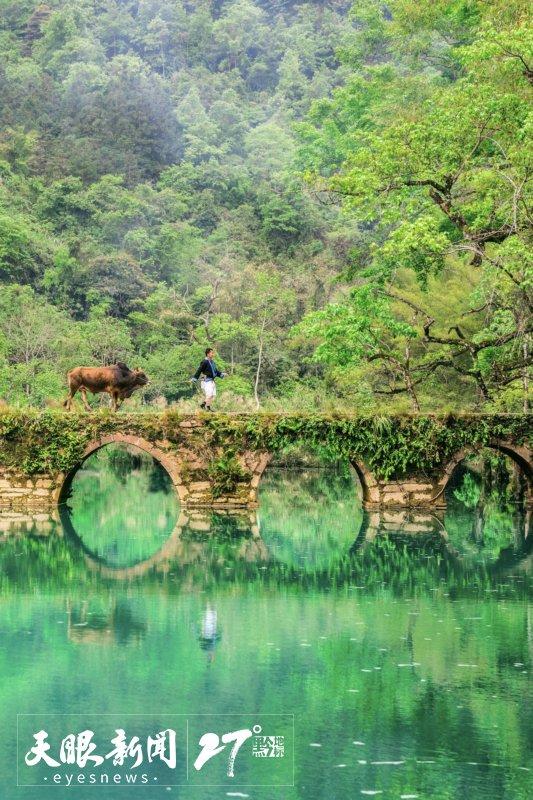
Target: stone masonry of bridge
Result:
[[217, 460]]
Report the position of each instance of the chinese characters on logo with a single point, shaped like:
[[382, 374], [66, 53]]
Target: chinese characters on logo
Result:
[[79, 749]]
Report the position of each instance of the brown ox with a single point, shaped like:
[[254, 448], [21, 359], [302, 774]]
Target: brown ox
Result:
[[119, 381]]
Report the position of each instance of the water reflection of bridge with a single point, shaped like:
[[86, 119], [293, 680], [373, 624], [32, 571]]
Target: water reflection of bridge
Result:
[[185, 545], [197, 534], [194, 532]]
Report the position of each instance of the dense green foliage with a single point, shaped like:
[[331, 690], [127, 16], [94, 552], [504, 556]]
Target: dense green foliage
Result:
[[390, 446], [149, 202], [429, 145], [171, 175]]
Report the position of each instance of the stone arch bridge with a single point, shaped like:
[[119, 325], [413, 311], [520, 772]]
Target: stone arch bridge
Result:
[[217, 460]]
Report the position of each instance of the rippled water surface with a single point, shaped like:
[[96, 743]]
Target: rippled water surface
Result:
[[401, 643]]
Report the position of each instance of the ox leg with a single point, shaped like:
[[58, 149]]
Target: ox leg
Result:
[[67, 403], [83, 392], [114, 400], [72, 389]]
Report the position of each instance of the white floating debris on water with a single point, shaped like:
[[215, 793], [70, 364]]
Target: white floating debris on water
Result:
[[383, 649], [340, 765], [387, 763], [236, 794], [315, 744], [408, 796], [366, 670], [359, 744], [353, 690], [518, 664], [427, 761], [371, 791], [305, 644], [467, 665], [362, 761], [412, 664]]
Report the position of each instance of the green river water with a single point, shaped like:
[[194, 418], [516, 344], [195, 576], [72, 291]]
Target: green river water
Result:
[[392, 652]]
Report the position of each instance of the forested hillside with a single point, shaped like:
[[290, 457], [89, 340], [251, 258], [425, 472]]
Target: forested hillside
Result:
[[335, 198]]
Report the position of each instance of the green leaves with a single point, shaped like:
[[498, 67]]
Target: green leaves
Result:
[[426, 146], [419, 245]]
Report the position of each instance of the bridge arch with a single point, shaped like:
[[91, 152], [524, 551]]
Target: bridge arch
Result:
[[369, 484], [169, 463], [520, 454]]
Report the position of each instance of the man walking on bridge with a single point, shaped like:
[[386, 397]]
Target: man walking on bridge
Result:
[[209, 371]]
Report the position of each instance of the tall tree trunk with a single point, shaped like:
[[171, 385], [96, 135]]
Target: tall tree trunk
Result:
[[259, 360], [525, 376]]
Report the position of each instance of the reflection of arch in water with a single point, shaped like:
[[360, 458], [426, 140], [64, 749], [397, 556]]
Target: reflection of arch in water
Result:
[[419, 523], [187, 550], [176, 547], [97, 563], [186, 545], [410, 522], [520, 454], [169, 463]]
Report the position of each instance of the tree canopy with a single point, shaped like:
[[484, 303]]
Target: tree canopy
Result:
[[428, 145], [336, 198]]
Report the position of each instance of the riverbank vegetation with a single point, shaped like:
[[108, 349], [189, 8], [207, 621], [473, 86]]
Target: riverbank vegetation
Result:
[[335, 197]]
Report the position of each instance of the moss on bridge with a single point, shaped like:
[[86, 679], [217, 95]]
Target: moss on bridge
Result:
[[391, 447]]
